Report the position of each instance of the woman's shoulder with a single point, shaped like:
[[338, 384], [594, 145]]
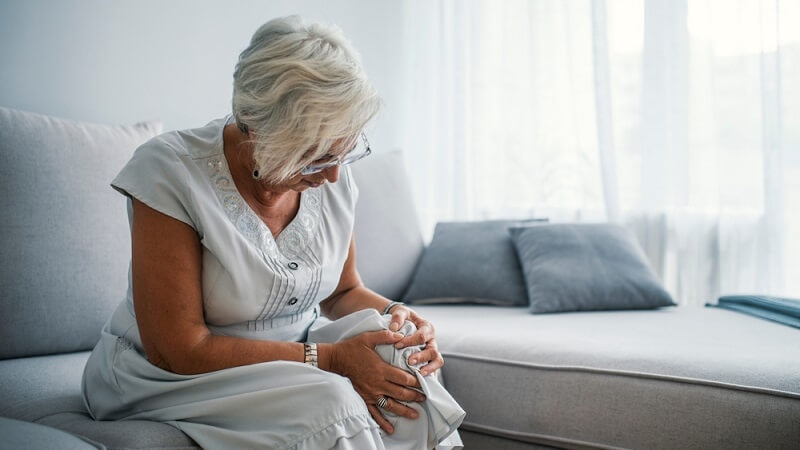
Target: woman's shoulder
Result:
[[193, 143], [165, 171]]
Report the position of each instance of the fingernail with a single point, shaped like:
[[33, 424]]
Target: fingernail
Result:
[[421, 398], [412, 361], [394, 326], [399, 335], [399, 345], [414, 414]]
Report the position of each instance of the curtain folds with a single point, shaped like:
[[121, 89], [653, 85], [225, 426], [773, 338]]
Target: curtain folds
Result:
[[679, 119]]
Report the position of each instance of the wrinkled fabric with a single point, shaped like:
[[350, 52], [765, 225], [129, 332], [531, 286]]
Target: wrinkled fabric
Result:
[[439, 414]]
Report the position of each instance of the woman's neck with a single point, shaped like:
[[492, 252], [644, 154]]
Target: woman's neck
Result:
[[268, 198]]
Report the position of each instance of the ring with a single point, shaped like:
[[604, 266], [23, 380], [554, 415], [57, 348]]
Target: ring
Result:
[[382, 402]]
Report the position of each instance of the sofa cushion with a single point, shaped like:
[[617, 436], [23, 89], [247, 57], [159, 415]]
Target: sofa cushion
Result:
[[387, 230], [122, 434], [63, 230], [47, 390], [39, 386], [470, 262], [689, 378], [18, 434], [586, 267]]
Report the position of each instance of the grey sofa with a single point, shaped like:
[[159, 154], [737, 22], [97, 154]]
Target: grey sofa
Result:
[[677, 378]]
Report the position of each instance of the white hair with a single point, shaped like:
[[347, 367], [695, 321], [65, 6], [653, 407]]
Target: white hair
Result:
[[297, 89]]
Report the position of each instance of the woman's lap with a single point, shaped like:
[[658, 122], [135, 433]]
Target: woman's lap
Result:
[[278, 404]]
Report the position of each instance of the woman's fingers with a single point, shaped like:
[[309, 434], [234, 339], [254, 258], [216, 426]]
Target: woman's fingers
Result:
[[378, 416], [425, 356], [403, 392], [423, 334], [429, 357], [399, 317], [375, 338], [385, 403], [378, 408], [400, 377], [396, 407]]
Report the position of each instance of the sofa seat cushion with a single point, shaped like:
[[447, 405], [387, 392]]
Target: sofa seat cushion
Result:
[[122, 434], [18, 434], [687, 378], [35, 387], [47, 390]]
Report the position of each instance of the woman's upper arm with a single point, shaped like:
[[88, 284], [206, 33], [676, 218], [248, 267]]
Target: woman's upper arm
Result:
[[348, 280], [167, 289]]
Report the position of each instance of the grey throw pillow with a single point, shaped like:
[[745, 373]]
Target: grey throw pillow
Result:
[[63, 230], [585, 267], [470, 262]]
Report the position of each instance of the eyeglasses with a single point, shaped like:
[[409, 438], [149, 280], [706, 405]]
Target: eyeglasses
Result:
[[359, 151]]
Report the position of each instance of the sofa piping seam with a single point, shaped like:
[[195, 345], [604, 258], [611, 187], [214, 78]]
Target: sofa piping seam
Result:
[[630, 374]]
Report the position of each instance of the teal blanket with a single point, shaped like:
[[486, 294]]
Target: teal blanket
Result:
[[777, 309]]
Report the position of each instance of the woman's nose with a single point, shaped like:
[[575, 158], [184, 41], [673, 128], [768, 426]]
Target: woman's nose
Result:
[[331, 174]]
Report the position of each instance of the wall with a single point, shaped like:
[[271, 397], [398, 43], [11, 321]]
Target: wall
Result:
[[123, 61]]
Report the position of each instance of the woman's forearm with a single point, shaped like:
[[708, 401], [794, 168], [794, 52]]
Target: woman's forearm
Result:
[[212, 353], [209, 353], [353, 300], [206, 352]]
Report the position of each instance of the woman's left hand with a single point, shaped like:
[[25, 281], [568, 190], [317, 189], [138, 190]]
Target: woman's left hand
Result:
[[429, 356]]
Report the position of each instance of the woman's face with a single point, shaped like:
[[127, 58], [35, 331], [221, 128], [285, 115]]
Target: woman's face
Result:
[[300, 182]]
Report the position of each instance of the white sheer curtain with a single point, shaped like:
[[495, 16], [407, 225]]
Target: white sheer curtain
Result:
[[680, 120]]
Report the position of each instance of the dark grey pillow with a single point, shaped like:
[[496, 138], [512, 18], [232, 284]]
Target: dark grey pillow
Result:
[[585, 267], [470, 262]]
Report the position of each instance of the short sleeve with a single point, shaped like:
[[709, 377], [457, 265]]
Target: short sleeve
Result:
[[157, 176]]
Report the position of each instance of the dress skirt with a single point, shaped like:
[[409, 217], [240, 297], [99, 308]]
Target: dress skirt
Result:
[[275, 405]]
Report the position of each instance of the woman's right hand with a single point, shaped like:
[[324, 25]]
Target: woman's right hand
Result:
[[373, 378]]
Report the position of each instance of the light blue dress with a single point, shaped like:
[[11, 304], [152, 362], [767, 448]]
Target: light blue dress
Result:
[[254, 287]]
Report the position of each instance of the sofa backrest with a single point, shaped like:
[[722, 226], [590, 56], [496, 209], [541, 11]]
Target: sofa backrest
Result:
[[388, 236], [63, 230]]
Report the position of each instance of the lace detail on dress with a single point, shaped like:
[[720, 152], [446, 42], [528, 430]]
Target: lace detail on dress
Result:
[[295, 238], [291, 241]]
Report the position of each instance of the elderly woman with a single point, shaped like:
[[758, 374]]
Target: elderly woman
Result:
[[242, 241]]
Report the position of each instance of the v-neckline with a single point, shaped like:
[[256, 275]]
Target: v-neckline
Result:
[[291, 240], [251, 211]]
